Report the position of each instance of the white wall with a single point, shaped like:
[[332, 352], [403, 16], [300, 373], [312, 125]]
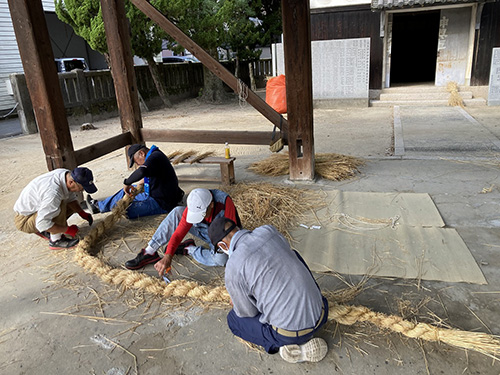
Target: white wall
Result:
[[340, 68], [10, 61], [48, 5], [316, 4]]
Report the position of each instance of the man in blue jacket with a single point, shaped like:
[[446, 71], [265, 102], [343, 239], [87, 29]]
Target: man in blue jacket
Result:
[[161, 186]]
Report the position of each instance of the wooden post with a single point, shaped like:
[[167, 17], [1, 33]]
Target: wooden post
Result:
[[213, 65], [298, 68], [37, 57], [122, 67]]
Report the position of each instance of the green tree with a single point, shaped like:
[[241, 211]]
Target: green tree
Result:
[[243, 34], [85, 17], [146, 40], [202, 21]]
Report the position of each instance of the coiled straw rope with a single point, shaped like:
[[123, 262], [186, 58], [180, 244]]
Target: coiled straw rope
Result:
[[344, 314], [135, 280]]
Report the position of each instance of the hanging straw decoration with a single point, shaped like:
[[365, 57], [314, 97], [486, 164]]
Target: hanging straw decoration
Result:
[[486, 344], [330, 166]]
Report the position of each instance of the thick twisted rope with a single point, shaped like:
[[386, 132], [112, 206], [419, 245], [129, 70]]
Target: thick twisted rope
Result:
[[134, 280], [481, 342], [344, 314]]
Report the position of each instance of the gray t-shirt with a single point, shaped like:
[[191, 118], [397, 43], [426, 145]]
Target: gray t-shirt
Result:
[[264, 275]]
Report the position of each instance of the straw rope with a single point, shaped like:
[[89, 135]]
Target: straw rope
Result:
[[486, 344], [134, 280]]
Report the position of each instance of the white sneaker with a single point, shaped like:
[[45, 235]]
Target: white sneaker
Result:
[[312, 351]]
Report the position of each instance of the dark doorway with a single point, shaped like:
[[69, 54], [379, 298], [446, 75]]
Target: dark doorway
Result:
[[414, 47]]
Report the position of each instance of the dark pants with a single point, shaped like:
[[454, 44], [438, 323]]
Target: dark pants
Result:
[[252, 330]]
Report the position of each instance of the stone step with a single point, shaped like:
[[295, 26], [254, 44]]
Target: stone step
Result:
[[421, 88], [393, 96], [475, 102]]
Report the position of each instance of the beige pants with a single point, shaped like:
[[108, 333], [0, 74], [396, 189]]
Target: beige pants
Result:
[[27, 224]]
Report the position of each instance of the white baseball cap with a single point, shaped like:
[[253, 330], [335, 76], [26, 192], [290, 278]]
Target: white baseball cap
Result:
[[197, 204]]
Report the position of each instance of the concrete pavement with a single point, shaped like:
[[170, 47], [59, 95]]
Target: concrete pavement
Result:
[[10, 127], [455, 160]]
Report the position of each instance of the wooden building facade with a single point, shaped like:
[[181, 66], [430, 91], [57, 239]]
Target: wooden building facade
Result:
[[416, 41]]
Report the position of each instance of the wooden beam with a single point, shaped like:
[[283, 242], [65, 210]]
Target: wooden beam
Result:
[[213, 65], [102, 148], [37, 57], [122, 67], [208, 136], [298, 68]]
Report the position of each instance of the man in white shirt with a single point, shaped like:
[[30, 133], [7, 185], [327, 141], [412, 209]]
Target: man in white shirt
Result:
[[46, 203]]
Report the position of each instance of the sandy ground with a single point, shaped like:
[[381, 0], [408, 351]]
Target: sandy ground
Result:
[[56, 319]]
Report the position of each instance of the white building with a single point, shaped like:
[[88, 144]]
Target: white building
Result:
[[64, 44]]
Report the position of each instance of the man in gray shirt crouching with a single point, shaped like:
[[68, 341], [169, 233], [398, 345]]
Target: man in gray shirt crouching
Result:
[[276, 301]]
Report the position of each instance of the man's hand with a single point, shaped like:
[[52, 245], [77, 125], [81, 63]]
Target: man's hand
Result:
[[72, 230], [128, 189], [86, 216], [162, 265]]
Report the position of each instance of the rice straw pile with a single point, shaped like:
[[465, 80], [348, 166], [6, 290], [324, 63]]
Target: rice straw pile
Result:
[[330, 166], [455, 99], [264, 203]]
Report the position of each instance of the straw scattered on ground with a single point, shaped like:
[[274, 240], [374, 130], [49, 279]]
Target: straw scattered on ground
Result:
[[330, 166], [484, 343]]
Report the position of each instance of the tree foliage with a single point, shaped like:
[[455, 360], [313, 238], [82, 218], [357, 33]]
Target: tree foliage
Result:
[[237, 24], [201, 20], [243, 32], [85, 17]]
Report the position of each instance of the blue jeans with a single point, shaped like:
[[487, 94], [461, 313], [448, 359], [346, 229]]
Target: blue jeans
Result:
[[208, 257], [142, 205], [252, 330]]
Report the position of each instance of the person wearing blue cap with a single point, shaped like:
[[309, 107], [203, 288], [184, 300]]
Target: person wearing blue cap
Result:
[[161, 186], [46, 203]]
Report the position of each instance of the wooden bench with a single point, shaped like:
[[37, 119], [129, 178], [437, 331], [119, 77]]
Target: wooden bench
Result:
[[226, 167]]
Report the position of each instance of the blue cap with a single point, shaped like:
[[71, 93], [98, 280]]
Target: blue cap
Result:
[[85, 178]]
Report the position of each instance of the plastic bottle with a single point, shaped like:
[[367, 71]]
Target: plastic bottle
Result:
[[227, 153]]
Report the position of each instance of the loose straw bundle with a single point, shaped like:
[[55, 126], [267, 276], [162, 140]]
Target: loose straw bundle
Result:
[[486, 344], [177, 157], [180, 156], [455, 99], [329, 166], [264, 203]]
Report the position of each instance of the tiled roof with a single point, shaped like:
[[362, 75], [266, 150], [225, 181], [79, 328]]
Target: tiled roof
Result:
[[399, 4]]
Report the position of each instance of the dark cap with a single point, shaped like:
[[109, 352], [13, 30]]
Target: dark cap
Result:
[[85, 178], [132, 150], [217, 230]]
